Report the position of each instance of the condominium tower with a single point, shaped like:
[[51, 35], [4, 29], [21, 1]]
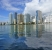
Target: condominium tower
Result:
[[20, 19], [15, 18], [10, 18], [38, 16], [27, 18]]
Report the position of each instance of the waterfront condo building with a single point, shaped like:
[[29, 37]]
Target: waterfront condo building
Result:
[[38, 16], [20, 19], [10, 18], [27, 18], [15, 18]]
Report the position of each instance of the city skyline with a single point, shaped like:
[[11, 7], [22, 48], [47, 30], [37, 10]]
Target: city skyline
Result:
[[25, 19], [23, 6]]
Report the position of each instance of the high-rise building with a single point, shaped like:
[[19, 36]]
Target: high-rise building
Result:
[[38, 16], [11, 18], [20, 19], [27, 18], [15, 18]]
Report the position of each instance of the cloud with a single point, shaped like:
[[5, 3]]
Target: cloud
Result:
[[43, 5], [12, 5], [7, 5]]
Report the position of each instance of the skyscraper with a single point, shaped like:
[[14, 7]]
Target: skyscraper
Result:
[[10, 18], [20, 19], [38, 16], [27, 18], [15, 18]]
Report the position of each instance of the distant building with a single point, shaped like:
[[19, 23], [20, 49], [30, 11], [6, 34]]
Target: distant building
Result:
[[33, 19], [27, 18], [15, 18], [20, 19], [7, 22], [10, 18], [48, 19], [38, 16]]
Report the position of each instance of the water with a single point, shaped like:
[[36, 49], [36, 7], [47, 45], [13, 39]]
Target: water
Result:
[[15, 37]]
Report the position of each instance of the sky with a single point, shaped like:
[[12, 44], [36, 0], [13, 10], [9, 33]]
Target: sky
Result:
[[23, 6]]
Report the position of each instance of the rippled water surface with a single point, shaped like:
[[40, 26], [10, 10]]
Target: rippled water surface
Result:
[[15, 37]]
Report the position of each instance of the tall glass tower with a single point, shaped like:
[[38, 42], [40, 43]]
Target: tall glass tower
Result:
[[15, 18], [38, 16]]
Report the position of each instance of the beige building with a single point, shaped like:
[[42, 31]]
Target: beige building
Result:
[[20, 19]]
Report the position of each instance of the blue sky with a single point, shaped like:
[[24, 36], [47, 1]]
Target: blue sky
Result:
[[7, 6], [23, 6]]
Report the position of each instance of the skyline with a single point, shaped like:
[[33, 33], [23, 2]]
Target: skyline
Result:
[[23, 6]]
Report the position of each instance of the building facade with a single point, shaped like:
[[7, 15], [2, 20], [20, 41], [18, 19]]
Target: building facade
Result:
[[27, 18], [10, 18], [38, 16], [20, 19], [15, 18]]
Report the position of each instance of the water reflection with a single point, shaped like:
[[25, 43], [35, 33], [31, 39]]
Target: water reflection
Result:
[[20, 41], [48, 28], [33, 30], [26, 30], [20, 30], [19, 34], [39, 30], [11, 30], [15, 31]]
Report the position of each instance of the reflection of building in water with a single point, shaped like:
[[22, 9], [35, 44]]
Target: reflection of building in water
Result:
[[27, 30], [20, 30], [39, 30], [15, 31], [11, 30], [15, 28], [33, 30]]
